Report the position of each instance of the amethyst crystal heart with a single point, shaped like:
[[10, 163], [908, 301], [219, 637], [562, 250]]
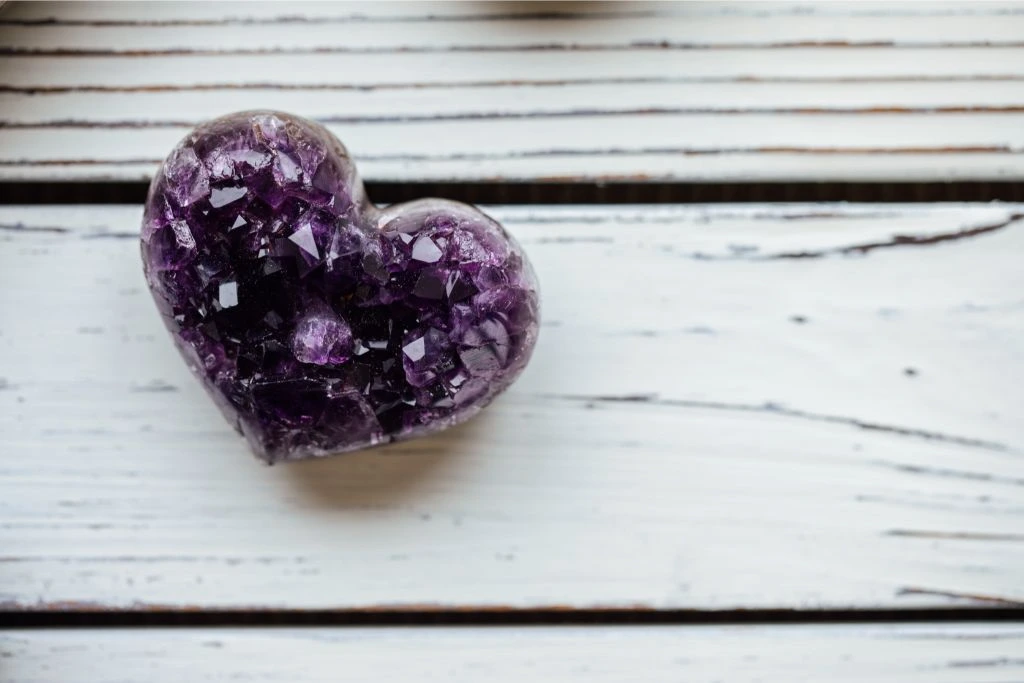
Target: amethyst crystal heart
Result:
[[319, 323]]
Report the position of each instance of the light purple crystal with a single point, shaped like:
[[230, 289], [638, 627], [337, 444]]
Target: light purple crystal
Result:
[[319, 323]]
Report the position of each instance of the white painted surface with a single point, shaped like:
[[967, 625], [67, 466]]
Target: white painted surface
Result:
[[946, 653], [435, 91], [753, 476]]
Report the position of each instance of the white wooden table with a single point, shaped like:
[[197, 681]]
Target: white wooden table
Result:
[[737, 415]]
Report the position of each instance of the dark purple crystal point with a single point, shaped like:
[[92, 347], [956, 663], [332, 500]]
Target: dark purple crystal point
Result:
[[319, 323]]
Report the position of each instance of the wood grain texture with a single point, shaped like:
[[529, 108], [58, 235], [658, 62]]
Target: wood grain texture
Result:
[[580, 91], [949, 653], [786, 406]]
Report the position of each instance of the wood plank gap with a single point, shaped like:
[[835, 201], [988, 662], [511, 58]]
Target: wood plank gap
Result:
[[569, 192], [75, 615]]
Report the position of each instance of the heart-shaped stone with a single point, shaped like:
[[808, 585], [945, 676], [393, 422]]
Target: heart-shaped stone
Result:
[[318, 322]]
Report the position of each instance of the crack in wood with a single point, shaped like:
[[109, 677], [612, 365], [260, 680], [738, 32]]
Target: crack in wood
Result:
[[111, 235], [153, 559], [295, 19], [956, 595], [954, 535], [955, 474], [594, 190], [582, 239], [506, 83], [156, 386], [776, 409], [78, 162], [973, 503], [986, 663], [640, 45], [583, 153], [337, 119], [906, 240], [21, 227], [938, 635]]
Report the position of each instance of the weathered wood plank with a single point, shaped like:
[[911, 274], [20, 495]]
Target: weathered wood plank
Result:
[[418, 28], [808, 406], [655, 33], [655, 146], [169, 109], [412, 71], [678, 92], [947, 653]]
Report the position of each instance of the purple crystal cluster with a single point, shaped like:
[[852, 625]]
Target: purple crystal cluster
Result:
[[319, 323]]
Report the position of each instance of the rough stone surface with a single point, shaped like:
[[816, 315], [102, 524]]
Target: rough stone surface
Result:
[[319, 323]]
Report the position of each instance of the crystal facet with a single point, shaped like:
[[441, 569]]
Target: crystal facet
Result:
[[319, 323]]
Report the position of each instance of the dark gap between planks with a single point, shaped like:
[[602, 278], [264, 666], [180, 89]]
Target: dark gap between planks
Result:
[[573, 192], [190, 618]]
